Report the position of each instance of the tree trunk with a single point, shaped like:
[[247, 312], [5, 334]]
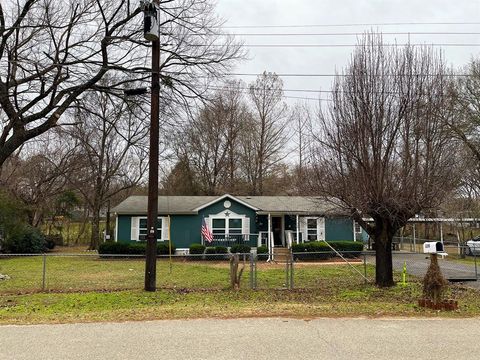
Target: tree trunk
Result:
[[95, 237], [383, 254]]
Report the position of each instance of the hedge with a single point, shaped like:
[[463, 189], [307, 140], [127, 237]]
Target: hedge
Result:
[[320, 250], [119, 248], [240, 248], [196, 249], [221, 250]]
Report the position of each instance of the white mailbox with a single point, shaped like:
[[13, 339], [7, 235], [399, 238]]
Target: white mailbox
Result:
[[434, 247]]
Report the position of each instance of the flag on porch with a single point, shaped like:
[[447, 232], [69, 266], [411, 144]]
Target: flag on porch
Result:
[[206, 233]]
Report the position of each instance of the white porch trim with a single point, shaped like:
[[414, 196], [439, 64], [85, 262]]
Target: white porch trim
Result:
[[220, 198]]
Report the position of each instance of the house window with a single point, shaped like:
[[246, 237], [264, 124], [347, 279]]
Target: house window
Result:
[[312, 229], [143, 229], [358, 228], [223, 227], [219, 227]]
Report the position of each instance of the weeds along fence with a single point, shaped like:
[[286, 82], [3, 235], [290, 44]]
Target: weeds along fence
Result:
[[27, 273]]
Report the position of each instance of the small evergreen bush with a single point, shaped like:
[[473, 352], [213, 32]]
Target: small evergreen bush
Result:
[[221, 250], [262, 252], [26, 240], [196, 249], [240, 249], [210, 250]]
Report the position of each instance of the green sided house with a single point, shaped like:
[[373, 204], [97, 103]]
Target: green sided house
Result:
[[272, 221]]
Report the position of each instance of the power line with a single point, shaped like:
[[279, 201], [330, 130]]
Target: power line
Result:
[[340, 34], [245, 90], [342, 75], [346, 25], [334, 45]]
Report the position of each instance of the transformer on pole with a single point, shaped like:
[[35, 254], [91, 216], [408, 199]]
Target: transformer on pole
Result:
[[151, 12]]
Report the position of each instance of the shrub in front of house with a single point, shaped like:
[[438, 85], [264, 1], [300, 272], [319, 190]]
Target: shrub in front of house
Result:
[[196, 249], [210, 250], [163, 248], [349, 249], [320, 250], [221, 250], [113, 248], [140, 248], [240, 249], [313, 250], [262, 252]]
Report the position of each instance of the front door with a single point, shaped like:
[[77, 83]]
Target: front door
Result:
[[277, 230]]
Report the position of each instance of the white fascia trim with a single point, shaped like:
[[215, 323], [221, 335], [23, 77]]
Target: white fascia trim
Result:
[[224, 197]]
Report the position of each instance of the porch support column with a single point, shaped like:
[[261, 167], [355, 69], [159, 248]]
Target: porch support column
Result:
[[269, 238], [354, 233], [298, 230]]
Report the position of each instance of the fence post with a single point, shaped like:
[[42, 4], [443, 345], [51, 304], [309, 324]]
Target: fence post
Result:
[[251, 271], [44, 272], [291, 273], [255, 261], [475, 260], [287, 275], [365, 267]]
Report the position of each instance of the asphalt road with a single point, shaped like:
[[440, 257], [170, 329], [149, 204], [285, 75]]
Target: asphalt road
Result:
[[247, 339], [417, 264]]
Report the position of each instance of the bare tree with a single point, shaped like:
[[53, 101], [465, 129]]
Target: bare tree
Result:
[[266, 136], [39, 176], [301, 119], [465, 124], [210, 141], [384, 152], [236, 115], [111, 136], [52, 52]]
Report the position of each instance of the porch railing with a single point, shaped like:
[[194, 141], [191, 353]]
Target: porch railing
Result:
[[229, 240]]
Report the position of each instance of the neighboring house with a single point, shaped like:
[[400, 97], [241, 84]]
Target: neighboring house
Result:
[[237, 219]]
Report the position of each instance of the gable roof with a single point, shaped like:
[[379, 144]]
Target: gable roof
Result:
[[226, 196], [137, 205]]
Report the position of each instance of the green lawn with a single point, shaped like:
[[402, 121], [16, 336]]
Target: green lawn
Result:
[[93, 289], [82, 273]]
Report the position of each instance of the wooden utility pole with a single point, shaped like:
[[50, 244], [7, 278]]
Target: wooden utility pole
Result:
[[152, 212]]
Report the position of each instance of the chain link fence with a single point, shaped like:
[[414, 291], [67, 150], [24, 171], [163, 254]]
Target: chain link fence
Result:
[[92, 272]]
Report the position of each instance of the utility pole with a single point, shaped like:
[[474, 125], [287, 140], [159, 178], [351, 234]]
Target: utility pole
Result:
[[151, 32]]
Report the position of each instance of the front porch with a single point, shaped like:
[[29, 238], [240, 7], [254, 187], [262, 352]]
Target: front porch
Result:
[[285, 229]]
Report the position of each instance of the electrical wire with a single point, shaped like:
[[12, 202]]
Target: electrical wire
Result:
[[339, 34], [337, 45], [345, 25]]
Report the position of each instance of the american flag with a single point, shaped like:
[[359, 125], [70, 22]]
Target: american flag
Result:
[[206, 233]]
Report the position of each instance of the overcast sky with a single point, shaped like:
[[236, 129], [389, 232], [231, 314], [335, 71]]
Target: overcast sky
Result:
[[331, 12]]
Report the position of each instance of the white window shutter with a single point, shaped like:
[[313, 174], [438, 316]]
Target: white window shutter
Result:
[[303, 227], [321, 228], [166, 228], [246, 226], [134, 224]]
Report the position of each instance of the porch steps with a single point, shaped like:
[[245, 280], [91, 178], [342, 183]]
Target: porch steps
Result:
[[281, 254]]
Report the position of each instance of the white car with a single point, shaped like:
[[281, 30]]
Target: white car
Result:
[[473, 246]]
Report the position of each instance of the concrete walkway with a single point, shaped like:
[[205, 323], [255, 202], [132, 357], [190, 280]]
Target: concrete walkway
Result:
[[246, 339]]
